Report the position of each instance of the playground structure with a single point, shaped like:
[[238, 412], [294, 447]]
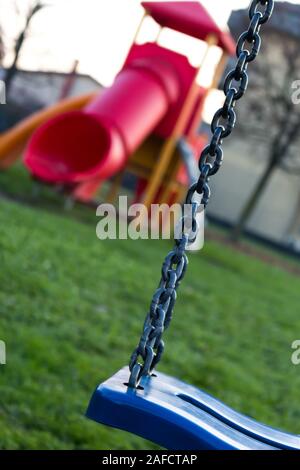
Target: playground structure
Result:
[[134, 125]]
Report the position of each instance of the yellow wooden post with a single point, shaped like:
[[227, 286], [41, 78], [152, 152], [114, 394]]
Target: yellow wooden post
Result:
[[158, 35], [215, 81], [197, 118], [168, 148], [139, 27], [115, 188]]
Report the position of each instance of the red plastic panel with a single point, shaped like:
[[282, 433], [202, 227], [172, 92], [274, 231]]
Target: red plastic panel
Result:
[[73, 147], [96, 142], [143, 93], [184, 71], [190, 18]]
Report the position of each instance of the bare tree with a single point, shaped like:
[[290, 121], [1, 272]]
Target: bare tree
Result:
[[2, 48], [271, 117], [33, 9]]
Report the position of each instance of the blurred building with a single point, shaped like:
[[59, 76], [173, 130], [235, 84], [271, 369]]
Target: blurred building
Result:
[[277, 214], [32, 90]]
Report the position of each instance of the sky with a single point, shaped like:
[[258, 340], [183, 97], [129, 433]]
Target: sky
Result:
[[96, 32]]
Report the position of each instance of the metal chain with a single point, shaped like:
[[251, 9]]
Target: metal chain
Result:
[[151, 345]]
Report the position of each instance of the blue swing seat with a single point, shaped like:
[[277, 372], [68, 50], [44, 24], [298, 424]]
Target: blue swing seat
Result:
[[178, 416]]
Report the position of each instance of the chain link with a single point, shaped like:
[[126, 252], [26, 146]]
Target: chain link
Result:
[[151, 345], [235, 86]]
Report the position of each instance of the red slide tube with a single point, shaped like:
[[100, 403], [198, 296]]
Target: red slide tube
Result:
[[96, 141]]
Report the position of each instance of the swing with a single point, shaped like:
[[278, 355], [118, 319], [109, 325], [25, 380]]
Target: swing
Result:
[[154, 405]]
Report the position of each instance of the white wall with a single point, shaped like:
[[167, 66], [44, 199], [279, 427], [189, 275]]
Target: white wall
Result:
[[236, 179]]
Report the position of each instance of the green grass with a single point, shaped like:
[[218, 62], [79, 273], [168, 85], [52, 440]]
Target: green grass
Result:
[[71, 312]]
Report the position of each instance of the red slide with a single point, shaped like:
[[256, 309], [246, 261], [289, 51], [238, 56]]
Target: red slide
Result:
[[78, 146], [84, 147]]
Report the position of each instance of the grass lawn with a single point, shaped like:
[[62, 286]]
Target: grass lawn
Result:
[[71, 312]]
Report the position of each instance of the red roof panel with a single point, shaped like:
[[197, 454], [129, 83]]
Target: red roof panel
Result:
[[190, 18]]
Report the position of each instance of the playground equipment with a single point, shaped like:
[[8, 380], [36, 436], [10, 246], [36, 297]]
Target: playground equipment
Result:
[[153, 405], [135, 124], [13, 141], [179, 416]]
